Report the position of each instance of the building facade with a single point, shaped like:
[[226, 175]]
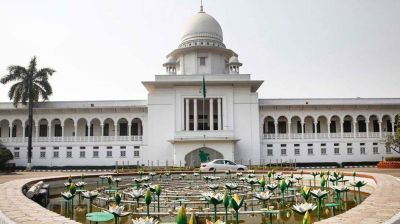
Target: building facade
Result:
[[178, 126]]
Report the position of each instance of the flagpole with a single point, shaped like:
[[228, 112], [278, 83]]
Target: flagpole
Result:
[[204, 99]]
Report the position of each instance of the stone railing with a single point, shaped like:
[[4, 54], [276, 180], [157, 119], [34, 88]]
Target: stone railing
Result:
[[326, 135], [74, 139]]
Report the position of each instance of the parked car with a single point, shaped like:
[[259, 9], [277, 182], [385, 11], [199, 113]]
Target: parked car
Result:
[[222, 164]]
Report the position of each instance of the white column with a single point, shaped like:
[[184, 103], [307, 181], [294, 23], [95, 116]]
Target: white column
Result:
[[393, 128], [187, 126], [116, 129], [88, 130], [195, 114], [315, 129], [302, 129], [329, 129], [276, 129], [49, 131], [140, 131], [23, 131], [76, 130], [129, 129], [37, 130], [62, 132], [367, 128], [355, 129], [380, 129], [10, 131], [289, 124], [101, 131], [341, 129], [211, 114], [219, 114]]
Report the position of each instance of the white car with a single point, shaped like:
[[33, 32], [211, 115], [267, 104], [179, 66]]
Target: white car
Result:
[[222, 164]]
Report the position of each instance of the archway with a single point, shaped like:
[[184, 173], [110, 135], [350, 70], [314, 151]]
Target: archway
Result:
[[201, 155]]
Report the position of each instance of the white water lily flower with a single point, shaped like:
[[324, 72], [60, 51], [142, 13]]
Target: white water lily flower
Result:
[[117, 179], [102, 177], [231, 185], [340, 188], [298, 178], [263, 195], [196, 174], [67, 184], [213, 186], [212, 196], [67, 195], [214, 178], [239, 174], [318, 193], [80, 184], [146, 220], [145, 178], [152, 173], [183, 174], [90, 194], [137, 193], [304, 207], [115, 209]]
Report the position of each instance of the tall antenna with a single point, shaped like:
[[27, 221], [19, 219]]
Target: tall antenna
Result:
[[201, 5]]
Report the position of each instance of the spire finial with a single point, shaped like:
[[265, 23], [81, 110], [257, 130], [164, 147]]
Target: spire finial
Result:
[[201, 5]]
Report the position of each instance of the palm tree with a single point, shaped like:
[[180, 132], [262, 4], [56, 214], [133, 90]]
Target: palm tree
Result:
[[30, 84]]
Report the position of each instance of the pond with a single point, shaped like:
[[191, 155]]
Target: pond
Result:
[[190, 191]]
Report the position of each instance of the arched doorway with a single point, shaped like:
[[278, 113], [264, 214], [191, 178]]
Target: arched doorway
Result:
[[201, 155]]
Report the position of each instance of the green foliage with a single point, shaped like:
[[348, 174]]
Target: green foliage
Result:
[[393, 142], [392, 158], [5, 156]]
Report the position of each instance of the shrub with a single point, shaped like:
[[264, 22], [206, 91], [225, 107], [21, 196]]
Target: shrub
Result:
[[392, 158], [5, 156]]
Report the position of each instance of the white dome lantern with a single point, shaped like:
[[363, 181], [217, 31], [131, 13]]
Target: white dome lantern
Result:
[[234, 65], [170, 65], [202, 30]]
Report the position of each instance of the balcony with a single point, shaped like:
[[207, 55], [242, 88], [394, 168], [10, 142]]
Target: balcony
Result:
[[132, 138], [327, 135]]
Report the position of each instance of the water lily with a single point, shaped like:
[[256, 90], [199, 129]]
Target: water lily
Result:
[[231, 186], [145, 178], [279, 177], [183, 175], [152, 174], [117, 198], [214, 199], [263, 196], [323, 182], [67, 195], [272, 186], [115, 209], [251, 181], [225, 202], [146, 220], [117, 180], [359, 185], [181, 218], [158, 193], [212, 178], [303, 208], [90, 195], [213, 186], [306, 193], [319, 195], [81, 184], [307, 218], [136, 194], [137, 182], [141, 173], [147, 199], [338, 190], [314, 174], [193, 219], [236, 203], [239, 174], [262, 183], [282, 186], [196, 174]]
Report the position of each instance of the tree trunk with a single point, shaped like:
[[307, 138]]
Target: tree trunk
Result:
[[30, 121]]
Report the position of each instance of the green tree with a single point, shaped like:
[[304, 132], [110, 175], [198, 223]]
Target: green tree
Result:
[[5, 156], [29, 85], [392, 142]]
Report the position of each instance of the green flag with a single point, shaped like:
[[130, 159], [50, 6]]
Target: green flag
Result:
[[203, 87]]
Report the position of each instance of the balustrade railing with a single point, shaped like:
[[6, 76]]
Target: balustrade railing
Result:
[[74, 139], [327, 135]]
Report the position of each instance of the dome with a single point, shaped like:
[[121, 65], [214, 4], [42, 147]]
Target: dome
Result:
[[202, 27], [233, 59]]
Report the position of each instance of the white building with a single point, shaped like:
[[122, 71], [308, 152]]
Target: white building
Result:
[[174, 125]]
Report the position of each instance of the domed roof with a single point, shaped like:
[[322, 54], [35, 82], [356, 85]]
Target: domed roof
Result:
[[233, 59], [202, 26]]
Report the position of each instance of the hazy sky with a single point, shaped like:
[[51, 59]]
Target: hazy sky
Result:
[[102, 50]]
